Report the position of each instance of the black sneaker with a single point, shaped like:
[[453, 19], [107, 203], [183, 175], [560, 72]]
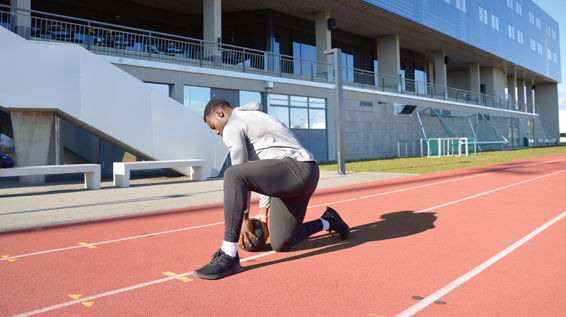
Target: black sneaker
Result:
[[220, 266], [336, 223]]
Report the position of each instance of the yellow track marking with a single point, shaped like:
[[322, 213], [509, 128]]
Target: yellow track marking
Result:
[[87, 245], [181, 278]]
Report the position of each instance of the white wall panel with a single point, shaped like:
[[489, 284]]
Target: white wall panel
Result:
[[115, 103]]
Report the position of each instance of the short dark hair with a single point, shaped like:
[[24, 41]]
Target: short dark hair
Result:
[[214, 104]]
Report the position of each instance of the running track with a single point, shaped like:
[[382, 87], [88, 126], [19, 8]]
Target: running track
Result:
[[483, 241]]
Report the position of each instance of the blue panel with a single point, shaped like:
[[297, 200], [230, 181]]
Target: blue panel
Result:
[[318, 144], [465, 20], [314, 141], [303, 136]]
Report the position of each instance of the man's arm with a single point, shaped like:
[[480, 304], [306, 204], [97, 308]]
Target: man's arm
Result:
[[235, 139]]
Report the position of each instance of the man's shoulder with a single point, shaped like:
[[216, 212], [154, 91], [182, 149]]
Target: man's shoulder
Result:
[[235, 123]]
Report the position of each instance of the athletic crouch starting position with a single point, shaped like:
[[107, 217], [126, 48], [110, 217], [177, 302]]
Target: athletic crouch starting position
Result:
[[268, 159]]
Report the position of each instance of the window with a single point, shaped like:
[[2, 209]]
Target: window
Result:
[[555, 57], [549, 54], [162, 88], [554, 34], [495, 22], [461, 5], [538, 23], [533, 45], [539, 48], [548, 30], [519, 8], [279, 108], [520, 37], [511, 30], [249, 96], [510, 4], [196, 98], [400, 108], [447, 1], [531, 17], [483, 15], [298, 112]]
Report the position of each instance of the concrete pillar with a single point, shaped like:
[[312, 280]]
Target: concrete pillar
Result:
[[212, 27], [389, 60], [430, 72], [529, 89], [323, 37], [21, 24], [440, 76], [475, 77], [546, 97], [32, 135], [493, 79], [511, 85], [520, 89], [440, 68]]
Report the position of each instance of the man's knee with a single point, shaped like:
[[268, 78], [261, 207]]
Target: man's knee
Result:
[[231, 177], [281, 247]]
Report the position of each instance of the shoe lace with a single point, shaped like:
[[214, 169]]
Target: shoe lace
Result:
[[216, 257]]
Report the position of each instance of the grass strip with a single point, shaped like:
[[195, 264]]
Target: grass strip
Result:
[[426, 165]]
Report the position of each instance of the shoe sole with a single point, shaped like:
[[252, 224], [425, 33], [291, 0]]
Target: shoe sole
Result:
[[219, 276]]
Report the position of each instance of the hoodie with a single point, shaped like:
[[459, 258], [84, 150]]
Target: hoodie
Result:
[[252, 135]]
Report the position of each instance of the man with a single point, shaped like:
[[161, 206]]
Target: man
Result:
[[268, 159]]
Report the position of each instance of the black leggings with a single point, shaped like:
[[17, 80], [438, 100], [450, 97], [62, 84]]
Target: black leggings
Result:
[[289, 183]]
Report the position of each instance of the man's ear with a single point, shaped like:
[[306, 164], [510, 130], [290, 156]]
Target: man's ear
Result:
[[220, 113]]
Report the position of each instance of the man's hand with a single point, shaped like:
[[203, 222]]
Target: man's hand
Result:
[[246, 231]]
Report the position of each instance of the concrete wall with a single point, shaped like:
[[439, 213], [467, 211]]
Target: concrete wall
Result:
[[493, 79], [372, 132], [546, 97], [459, 80]]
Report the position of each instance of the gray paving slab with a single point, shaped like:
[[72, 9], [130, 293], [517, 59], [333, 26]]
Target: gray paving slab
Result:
[[65, 200]]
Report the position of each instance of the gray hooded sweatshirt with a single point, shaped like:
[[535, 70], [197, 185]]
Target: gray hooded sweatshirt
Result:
[[252, 135]]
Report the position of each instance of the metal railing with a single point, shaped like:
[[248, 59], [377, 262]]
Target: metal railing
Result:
[[543, 122], [120, 41], [114, 40], [375, 81]]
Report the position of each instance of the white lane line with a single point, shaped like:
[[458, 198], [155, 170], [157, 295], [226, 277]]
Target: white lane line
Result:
[[189, 273], [125, 289], [326, 204], [446, 289], [493, 190], [110, 241]]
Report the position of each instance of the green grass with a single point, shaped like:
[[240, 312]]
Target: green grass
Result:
[[425, 165]]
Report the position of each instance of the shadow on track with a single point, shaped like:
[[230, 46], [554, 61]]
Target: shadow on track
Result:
[[394, 225]]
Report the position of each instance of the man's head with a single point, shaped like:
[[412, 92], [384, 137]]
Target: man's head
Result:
[[216, 114]]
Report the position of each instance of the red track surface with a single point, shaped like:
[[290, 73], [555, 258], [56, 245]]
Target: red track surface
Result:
[[416, 235]]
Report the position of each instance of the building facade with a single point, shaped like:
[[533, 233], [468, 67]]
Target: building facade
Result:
[[460, 57]]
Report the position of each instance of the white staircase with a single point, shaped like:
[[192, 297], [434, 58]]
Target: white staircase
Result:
[[103, 100]]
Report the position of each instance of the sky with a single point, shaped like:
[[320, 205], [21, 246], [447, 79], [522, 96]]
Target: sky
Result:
[[557, 10]]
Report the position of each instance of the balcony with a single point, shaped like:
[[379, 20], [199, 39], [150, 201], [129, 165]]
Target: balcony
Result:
[[125, 42]]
